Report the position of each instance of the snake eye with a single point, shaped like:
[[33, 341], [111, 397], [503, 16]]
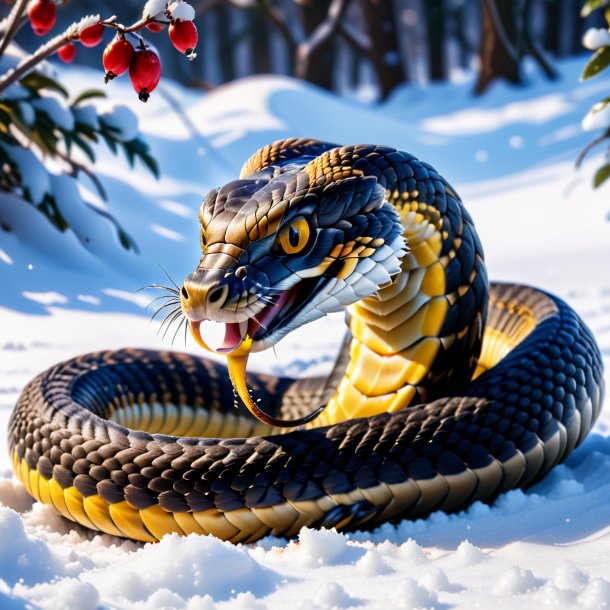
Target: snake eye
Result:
[[204, 245], [295, 236]]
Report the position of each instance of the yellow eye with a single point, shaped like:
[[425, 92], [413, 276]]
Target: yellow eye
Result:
[[294, 237], [202, 241]]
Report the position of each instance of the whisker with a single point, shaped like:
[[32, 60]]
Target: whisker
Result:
[[177, 330], [168, 318], [170, 299], [169, 277], [175, 317], [159, 310], [159, 287]]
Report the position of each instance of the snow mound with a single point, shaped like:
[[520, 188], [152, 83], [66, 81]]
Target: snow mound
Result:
[[516, 580], [185, 566], [23, 558]]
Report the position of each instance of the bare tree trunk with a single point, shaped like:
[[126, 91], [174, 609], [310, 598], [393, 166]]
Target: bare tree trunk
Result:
[[575, 47], [319, 68], [527, 46], [260, 43], [435, 27], [224, 44], [498, 54], [384, 47], [552, 38], [459, 31]]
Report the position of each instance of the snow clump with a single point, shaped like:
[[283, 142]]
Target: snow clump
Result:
[[595, 38]]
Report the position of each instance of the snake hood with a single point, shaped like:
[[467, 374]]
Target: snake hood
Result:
[[288, 243], [282, 248]]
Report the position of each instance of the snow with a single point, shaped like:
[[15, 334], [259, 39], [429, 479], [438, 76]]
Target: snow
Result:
[[597, 118], [181, 10], [510, 155], [121, 120], [473, 121], [56, 109], [34, 176], [595, 38], [153, 8], [87, 115], [86, 22]]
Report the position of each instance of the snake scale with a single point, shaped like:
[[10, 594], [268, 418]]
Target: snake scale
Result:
[[448, 389]]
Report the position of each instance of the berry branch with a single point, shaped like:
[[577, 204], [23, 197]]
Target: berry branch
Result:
[[89, 32], [13, 23], [44, 51], [38, 123]]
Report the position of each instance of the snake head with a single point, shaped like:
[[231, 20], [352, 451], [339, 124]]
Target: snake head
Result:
[[281, 249]]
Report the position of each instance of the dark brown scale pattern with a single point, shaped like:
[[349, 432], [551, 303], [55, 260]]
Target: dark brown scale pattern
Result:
[[540, 385], [547, 392]]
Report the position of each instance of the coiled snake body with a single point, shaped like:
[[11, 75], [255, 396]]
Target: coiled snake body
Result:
[[447, 390]]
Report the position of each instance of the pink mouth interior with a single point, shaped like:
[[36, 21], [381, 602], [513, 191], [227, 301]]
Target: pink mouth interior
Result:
[[236, 332]]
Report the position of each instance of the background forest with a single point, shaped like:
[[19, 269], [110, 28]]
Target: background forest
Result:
[[361, 47]]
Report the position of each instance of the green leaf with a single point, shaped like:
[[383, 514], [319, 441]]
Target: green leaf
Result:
[[126, 240], [138, 148], [597, 63], [110, 143], [84, 146], [601, 175], [87, 95], [151, 163], [590, 5], [36, 81], [45, 139], [49, 208], [130, 154]]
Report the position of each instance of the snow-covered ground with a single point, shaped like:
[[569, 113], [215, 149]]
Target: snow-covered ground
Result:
[[510, 155]]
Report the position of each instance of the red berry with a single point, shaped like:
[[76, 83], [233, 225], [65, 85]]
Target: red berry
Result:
[[42, 16], [183, 35], [92, 36], [145, 72], [117, 58], [155, 26], [67, 53]]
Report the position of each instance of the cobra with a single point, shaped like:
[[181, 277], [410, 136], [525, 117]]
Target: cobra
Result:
[[447, 390]]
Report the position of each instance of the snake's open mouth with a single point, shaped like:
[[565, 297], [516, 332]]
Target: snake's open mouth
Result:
[[261, 326], [238, 339]]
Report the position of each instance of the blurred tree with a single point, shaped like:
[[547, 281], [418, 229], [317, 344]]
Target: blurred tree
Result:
[[361, 45], [498, 50], [436, 16], [260, 39], [316, 54], [223, 44], [505, 40], [383, 48]]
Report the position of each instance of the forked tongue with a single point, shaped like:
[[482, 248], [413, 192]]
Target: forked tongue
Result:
[[236, 347]]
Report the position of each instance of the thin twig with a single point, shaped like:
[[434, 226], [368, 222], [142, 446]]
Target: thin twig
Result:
[[500, 30], [590, 145], [51, 47], [77, 167], [276, 17], [323, 33], [46, 50], [135, 27], [13, 24], [359, 43]]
